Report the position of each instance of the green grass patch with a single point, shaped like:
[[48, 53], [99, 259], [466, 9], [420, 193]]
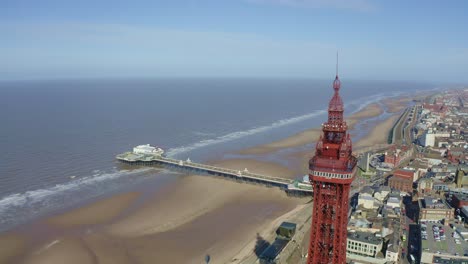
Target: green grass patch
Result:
[[444, 245], [459, 249], [425, 244]]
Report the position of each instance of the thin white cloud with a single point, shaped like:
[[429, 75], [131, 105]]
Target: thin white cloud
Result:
[[116, 48], [358, 5]]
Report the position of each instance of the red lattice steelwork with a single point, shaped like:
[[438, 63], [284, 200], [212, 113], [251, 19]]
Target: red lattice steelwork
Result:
[[331, 174]]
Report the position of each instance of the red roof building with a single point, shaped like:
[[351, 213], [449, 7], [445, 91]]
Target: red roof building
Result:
[[402, 180]]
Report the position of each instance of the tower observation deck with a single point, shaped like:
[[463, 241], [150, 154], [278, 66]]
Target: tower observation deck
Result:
[[331, 172]]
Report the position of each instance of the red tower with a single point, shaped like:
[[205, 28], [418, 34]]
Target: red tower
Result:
[[331, 172]]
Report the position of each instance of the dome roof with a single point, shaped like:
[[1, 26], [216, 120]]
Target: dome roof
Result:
[[336, 84]]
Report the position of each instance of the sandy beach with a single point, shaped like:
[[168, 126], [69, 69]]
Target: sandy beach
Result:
[[311, 135], [195, 216], [11, 245]]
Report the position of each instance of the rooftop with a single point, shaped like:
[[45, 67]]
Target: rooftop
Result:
[[404, 173], [274, 249], [365, 237], [461, 196], [433, 203]]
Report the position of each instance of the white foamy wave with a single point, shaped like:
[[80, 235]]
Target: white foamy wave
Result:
[[240, 134], [203, 134], [41, 195], [363, 102]]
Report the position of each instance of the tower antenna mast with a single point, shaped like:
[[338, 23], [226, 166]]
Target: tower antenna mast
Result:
[[337, 63]]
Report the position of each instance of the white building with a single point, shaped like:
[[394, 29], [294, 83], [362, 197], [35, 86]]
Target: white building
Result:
[[366, 201], [382, 194], [394, 202], [363, 244], [428, 139], [391, 254], [147, 149]]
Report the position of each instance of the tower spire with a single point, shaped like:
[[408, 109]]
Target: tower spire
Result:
[[336, 83]]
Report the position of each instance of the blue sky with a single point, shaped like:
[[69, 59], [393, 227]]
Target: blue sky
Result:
[[378, 40]]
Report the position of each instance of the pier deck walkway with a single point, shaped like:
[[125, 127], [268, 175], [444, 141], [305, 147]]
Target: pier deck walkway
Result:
[[291, 187]]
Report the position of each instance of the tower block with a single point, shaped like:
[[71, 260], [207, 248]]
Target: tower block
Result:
[[331, 172]]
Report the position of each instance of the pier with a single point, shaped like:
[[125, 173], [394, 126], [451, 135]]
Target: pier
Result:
[[291, 187]]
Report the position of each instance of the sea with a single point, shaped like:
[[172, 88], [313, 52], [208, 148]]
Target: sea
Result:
[[59, 139]]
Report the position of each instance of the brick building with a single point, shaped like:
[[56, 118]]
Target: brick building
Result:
[[433, 210], [395, 156], [459, 200], [402, 180]]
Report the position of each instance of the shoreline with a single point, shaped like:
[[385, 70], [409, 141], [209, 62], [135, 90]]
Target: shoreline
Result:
[[167, 217], [311, 135]]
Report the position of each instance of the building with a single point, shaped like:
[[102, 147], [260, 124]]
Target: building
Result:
[[407, 172], [392, 253], [433, 210], [457, 154], [402, 180], [425, 185], [427, 139], [367, 202], [284, 234], [147, 149], [394, 200], [331, 172], [382, 193], [441, 186], [395, 156], [461, 178], [364, 244], [365, 198], [459, 200]]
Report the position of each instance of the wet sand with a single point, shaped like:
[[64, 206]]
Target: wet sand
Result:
[[197, 215], [96, 213], [203, 215], [11, 245], [378, 134]]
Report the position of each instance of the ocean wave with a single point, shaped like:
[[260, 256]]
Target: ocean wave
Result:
[[361, 103], [203, 134], [39, 196], [240, 134], [358, 103]]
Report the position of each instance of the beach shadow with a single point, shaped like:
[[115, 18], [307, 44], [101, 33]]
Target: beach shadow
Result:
[[260, 245]]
